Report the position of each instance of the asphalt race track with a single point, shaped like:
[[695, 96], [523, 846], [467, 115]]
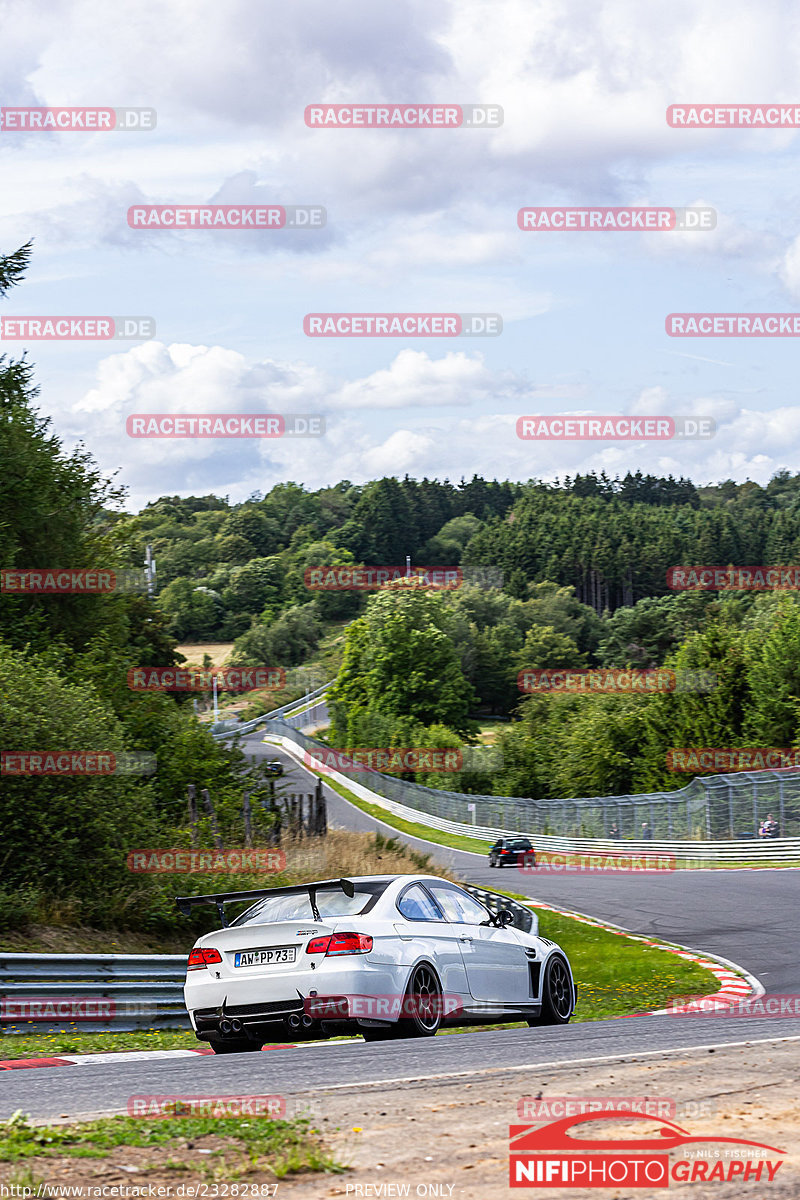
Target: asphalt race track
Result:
[[744, 916], [105, 1087]]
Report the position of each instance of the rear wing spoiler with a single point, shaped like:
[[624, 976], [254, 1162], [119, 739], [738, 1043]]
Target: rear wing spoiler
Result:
[[220, 899]]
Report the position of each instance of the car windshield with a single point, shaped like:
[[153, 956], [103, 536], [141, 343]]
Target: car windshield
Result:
[[331, 902]]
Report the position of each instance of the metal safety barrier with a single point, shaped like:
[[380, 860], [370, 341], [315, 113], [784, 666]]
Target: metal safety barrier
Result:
[[227, 729], [48, 993]]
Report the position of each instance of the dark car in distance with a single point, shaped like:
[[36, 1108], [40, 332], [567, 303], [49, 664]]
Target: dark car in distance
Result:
[[514, 852]]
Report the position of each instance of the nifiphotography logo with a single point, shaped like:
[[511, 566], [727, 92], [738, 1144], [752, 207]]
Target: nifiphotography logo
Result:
[[550, 1156]]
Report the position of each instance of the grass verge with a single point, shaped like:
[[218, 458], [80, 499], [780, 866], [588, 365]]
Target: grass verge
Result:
[[617, 976], [208, 1147], [440, 837]]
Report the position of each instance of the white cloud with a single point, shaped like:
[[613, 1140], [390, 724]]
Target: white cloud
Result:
[[425, 440]]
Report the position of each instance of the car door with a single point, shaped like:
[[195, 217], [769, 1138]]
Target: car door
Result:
[[421, 923], [495, 960]]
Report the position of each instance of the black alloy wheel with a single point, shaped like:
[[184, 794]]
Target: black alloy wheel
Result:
[[557, 994]]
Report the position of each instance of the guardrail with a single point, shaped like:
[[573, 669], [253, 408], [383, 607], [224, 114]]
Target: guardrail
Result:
[[50, 993], [226, 729]]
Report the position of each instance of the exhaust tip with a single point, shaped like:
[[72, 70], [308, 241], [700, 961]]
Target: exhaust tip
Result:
[[294, 1021], [236, 1025], [307, 1021], [225, 1026]]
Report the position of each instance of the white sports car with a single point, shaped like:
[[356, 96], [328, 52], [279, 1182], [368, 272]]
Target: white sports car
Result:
[[380, 955]]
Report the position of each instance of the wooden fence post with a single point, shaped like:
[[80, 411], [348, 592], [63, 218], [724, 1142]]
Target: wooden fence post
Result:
[[192, 794], [209, 807], [248, 820], [322, 810]]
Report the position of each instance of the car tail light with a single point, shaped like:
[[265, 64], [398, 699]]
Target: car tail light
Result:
[[505, 852], [201, 957], [340, 943]]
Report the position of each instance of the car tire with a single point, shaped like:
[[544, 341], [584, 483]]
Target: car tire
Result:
[[234, 1046], [424, 998], [557, 994], [492, 863]]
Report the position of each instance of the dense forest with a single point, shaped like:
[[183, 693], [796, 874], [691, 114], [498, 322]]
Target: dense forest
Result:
[[613, 541]]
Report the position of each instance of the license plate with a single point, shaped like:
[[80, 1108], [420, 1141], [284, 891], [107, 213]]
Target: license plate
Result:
[[262, 958]]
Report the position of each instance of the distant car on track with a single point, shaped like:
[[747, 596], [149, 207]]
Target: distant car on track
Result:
[[274, 767], [513, 852], [381, 955]]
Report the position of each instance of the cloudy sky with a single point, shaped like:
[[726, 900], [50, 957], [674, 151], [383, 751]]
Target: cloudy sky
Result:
[[417, 221]]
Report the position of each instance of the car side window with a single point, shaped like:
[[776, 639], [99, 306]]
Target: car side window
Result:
[[459, 906], [416, 905]]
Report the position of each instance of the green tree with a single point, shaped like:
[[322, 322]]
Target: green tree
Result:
[[192, 612], [772, 652], [66, 835], [400, 660]]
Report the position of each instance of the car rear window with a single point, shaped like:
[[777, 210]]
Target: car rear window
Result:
[[520, 844], [331, 902]]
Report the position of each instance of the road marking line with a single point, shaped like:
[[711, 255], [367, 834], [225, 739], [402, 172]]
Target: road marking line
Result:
[[566, 1062]]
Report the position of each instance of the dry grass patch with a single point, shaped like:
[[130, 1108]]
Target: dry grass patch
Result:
[[350, 854]]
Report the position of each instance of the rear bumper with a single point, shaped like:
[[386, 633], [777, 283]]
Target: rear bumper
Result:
[[277, 1006], [249, 1020]]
